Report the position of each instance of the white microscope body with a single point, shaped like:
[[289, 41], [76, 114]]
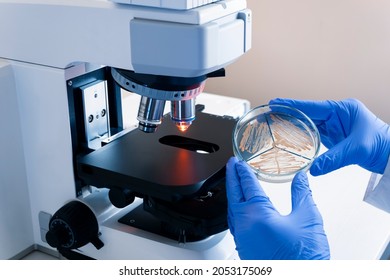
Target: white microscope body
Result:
[[47, 43]]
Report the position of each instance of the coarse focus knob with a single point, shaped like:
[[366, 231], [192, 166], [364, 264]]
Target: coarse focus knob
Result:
[[73, 226]]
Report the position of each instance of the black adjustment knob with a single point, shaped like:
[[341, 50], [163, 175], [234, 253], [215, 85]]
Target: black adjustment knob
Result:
[[121, 197], [73, 226], [57, 237]]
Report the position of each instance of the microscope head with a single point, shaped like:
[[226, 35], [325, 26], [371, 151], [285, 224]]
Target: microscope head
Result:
[[168, 48], [155, 90], [171, 59]]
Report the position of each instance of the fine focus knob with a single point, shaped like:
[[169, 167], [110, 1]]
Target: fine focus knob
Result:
[[60, 235], [73, 226]]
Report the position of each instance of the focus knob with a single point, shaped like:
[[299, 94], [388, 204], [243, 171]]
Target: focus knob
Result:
[[59, 236], [121, 197], [73, 226]]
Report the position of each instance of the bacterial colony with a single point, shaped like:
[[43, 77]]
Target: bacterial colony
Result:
[[277, 144]]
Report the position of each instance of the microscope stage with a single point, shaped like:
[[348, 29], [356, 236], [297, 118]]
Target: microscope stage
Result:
[[167, 164]]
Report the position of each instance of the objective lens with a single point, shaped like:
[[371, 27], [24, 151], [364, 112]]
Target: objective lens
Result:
[[183, 113], [150, 113]]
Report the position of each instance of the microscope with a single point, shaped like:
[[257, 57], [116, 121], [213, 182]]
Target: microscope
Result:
[[99, 186]]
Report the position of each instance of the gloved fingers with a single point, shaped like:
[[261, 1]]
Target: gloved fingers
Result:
[[318, 111], [250, 185], [233, 183], [338, 156], [300, 191]]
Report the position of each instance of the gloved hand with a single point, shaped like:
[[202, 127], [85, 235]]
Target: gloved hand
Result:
[[352, 133], [260, 231]]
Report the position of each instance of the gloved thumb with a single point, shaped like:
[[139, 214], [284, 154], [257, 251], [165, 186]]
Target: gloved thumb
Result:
[[300, 192], [249, 183], [336, 157]]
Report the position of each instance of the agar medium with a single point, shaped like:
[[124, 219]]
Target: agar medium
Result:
[[276, 141]]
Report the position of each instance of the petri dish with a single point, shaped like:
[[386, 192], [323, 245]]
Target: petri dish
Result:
[[276, 141]]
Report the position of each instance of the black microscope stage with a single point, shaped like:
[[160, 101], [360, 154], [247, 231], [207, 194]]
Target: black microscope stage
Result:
[[168, 164], [180, 176]]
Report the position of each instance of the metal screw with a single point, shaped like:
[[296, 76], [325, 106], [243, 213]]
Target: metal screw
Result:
[[90, 118], [103, 113]]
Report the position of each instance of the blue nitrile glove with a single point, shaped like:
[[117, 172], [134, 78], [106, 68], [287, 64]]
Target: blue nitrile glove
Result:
[[352, 133], [260, 231]]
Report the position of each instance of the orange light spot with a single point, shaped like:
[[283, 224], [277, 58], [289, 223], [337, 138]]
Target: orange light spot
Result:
[[183, 126]]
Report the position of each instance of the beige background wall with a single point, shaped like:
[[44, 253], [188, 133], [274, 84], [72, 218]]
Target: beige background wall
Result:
[[315, 49]]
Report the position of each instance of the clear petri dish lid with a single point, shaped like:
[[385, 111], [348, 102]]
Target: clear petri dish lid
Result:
[[276, 141]]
